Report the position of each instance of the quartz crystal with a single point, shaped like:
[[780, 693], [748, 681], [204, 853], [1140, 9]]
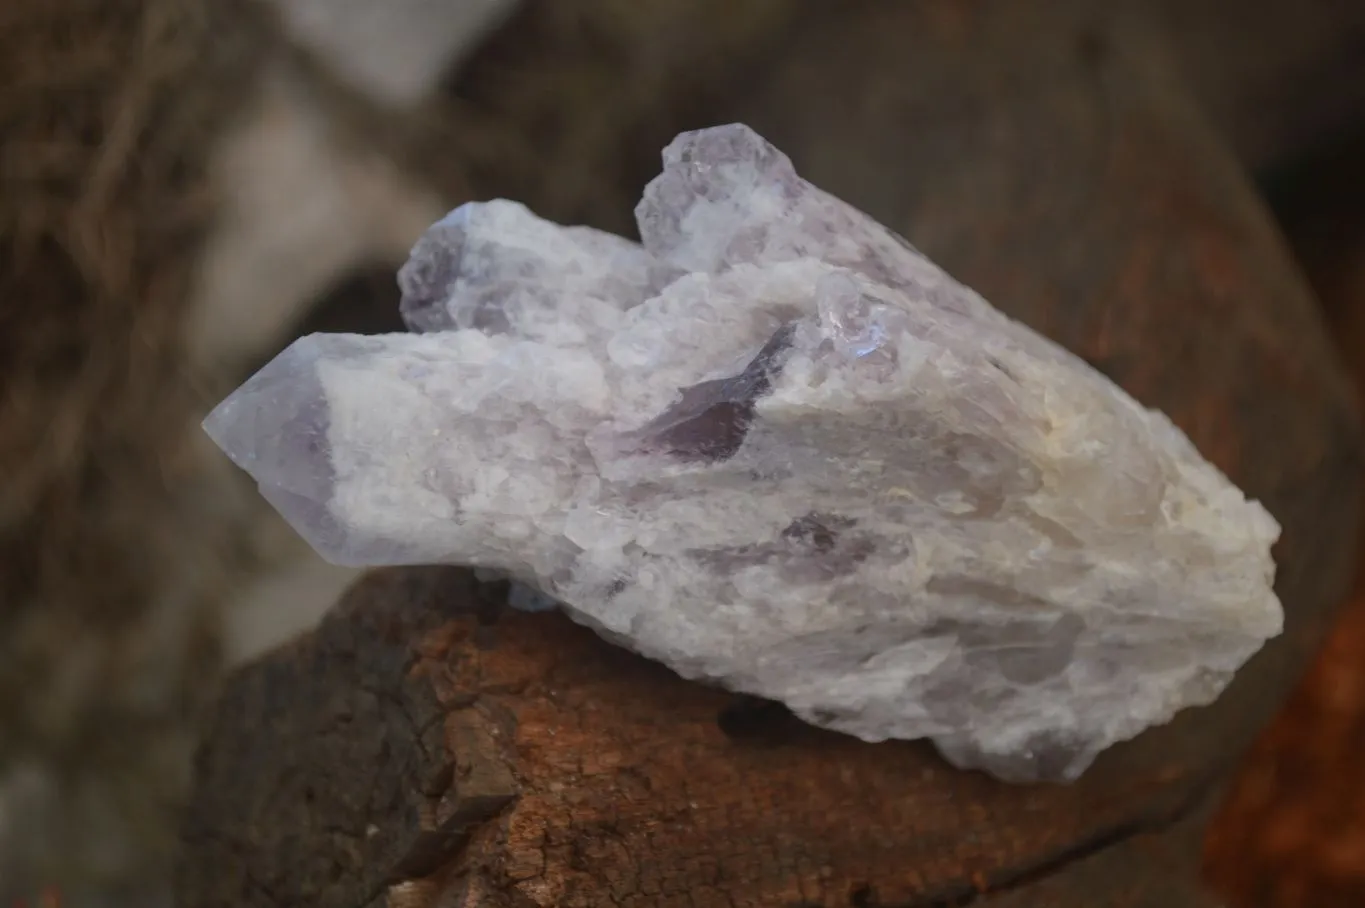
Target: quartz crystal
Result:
[[777, 449]]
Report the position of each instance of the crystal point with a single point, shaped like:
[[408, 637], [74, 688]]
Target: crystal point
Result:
[[776, 448]]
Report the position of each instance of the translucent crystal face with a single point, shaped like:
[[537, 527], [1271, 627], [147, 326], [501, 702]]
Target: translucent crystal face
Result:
[[777, 449]]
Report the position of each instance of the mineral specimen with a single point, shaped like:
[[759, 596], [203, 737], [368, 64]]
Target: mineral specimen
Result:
[[776, 448]]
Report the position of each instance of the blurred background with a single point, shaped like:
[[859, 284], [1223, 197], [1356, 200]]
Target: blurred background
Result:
[[187, 186]]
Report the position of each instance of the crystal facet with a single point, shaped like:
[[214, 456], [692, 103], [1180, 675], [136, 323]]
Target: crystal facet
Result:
[[778, 449]]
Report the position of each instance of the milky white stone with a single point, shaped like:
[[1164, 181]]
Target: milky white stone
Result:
[[776, 448]]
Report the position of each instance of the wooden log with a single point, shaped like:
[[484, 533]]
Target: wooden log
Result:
[[1292, 829], [1276, 78], [428, 747], [428, 741]]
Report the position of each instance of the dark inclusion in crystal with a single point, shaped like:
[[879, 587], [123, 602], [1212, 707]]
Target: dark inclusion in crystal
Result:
[[810, 549], [818, 532], [710, 420]]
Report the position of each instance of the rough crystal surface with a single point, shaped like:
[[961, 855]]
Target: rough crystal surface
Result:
[[776, 448]]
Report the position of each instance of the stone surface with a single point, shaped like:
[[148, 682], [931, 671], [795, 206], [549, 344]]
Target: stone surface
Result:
[[776, 448]]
